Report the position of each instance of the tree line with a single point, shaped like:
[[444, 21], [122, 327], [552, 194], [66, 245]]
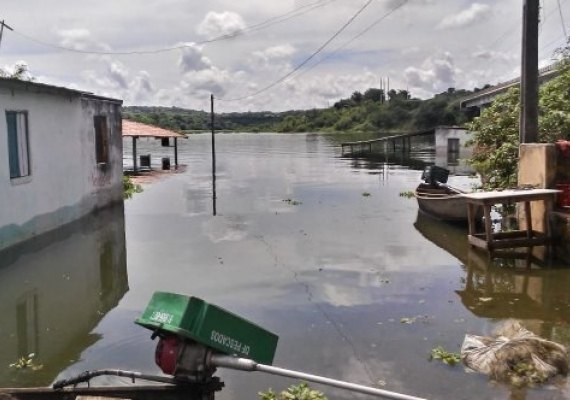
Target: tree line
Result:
[[373, 110]]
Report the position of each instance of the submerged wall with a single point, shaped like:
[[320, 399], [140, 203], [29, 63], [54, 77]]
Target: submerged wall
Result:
[[453, 158], [64, 182]]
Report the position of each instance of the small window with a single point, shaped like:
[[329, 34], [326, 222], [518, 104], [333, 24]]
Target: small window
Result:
[[453, 151], [453, 145], [101, 139], [18, 143]]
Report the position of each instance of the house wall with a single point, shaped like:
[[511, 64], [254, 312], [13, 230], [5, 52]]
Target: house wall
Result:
[[456, 163], [65, 182], [541, 165]]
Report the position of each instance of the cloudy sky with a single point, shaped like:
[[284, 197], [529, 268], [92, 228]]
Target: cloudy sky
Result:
[[267, 54]]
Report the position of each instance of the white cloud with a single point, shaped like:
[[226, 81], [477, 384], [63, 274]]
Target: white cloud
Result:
[[80, 39], [118, 74], [215, 24], [274, 58], [436, 74], [490, 55], [206, 81], [276, 52], [20, 68], [398, 47], [192, 59], [465, 18], [142, 89]]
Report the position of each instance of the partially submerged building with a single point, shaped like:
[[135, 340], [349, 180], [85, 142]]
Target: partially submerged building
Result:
[[60, 157]]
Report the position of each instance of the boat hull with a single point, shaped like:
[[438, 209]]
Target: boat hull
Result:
[[441, 203]]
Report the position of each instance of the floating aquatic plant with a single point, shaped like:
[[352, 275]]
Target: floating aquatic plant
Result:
[[439, 353], [302, 391], [26, 362], [292, 202]]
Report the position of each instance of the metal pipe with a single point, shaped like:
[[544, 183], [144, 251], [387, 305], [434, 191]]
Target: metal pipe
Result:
[[244, 364], [88, 375]]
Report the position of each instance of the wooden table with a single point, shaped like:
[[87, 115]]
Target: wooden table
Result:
[[500, 240]]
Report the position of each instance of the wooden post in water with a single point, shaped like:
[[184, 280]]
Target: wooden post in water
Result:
[[213, 157], [134, 155], [176, 152]]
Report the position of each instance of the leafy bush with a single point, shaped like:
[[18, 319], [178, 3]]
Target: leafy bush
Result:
[[496, 131]]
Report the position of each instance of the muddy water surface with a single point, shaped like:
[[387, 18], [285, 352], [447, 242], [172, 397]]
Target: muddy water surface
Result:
[[317, 248]]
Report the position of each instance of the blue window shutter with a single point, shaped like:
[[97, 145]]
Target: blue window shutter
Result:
[[13, 145]]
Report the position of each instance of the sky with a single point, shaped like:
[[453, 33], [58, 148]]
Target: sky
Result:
[[269, 55]]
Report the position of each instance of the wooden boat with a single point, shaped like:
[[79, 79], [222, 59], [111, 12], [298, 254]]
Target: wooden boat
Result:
[[442, 202]]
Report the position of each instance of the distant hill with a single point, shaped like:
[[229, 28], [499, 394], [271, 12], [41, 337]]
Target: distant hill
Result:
[[371, 111]]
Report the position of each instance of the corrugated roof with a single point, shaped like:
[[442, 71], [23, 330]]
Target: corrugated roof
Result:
[[36, 87], [132, 128]]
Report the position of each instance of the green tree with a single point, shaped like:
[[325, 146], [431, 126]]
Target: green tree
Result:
[[374, 95], [496, 131], [357, 97]]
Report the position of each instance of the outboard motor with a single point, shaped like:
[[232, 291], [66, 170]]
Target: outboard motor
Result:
[[433, 175]]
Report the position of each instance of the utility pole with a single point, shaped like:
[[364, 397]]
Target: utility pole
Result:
[[528, 129], [214, 197], [2, 25]]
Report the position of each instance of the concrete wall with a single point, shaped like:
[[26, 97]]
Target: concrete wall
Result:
[[456, 163], [542, 165], [537, 167], [65, 182]]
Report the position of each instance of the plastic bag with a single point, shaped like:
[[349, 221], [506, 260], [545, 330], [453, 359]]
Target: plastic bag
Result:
[[515, 355]]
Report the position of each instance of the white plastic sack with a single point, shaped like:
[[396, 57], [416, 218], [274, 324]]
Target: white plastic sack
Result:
[[515, 355]]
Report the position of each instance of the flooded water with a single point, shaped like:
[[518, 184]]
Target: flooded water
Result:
[[319, 249]]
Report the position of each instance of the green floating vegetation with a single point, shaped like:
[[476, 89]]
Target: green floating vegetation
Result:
[[292, 202], [409, 194], [130, 188], [446, 357], [26, 363], [526, 374], [302, 391]]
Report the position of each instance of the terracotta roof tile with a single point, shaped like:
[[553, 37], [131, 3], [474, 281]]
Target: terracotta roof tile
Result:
[[132, 128]]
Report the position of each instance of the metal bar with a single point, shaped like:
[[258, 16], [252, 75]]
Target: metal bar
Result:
[[244, 364], [88, 375]]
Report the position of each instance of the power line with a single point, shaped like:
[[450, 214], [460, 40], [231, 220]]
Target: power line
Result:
[[298, 67], [361, 33], [262, 25]]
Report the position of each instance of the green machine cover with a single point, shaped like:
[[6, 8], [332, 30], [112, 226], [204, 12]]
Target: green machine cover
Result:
[[210, 325]]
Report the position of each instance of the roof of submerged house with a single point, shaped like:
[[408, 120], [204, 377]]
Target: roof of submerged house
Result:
[[138, 129], [36, 87]]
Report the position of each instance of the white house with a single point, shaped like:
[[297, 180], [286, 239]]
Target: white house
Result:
[[451, 150], [60, 157]]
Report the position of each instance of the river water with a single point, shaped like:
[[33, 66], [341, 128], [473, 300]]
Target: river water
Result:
[[318, 248]]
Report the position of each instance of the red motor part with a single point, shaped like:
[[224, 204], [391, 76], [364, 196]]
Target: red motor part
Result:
[[166, 353]]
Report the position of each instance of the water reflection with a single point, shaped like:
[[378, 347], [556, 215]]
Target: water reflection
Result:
[[54, 290], [519, 285]]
